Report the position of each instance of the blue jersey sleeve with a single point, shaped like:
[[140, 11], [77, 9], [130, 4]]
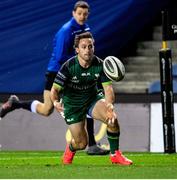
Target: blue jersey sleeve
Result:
[[63, 43]]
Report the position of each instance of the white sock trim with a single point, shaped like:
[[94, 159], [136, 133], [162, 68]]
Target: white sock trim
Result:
[[88, 116], [113, 154], [33, 106]]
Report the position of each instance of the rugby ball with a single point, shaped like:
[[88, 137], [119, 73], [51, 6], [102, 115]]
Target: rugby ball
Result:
[[113, 68]]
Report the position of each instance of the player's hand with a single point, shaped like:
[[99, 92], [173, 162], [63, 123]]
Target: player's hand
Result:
[[59, 106], [111, 115]]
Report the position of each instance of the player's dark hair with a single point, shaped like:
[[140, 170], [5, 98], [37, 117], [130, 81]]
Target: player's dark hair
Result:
[[82, 36], [82, 4]]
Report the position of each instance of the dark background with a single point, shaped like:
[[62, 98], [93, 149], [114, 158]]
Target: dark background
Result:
[[27, 29]]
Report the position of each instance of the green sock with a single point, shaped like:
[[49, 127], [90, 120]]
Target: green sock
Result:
[[113, 139], [71, 148]]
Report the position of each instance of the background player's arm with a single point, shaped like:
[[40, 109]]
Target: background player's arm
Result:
[[62, 46]]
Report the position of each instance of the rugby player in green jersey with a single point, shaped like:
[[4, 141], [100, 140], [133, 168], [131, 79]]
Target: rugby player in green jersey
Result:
[[77, 82], [62, 50]]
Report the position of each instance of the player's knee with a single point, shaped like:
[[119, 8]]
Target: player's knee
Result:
[[47, 111], [114, 127], [82, 144], [44, 109]]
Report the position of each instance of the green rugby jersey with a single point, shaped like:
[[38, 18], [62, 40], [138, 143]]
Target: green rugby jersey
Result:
[[80, 84]]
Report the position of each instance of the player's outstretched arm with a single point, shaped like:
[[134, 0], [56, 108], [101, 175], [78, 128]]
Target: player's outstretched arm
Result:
[[110, 99], [109, 93]]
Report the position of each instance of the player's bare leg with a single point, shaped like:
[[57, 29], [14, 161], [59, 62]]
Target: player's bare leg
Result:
[[78, 142], [35, 106], [105, 113], [45, 108]]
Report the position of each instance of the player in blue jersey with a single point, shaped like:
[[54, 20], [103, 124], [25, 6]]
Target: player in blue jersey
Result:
[[77, 81], [62, 51]]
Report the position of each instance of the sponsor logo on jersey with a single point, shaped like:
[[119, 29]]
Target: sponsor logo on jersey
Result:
[[70, 120], [78, 87], [85, 74], [74, 79], [78, 31], [97, 75], [87, 29]]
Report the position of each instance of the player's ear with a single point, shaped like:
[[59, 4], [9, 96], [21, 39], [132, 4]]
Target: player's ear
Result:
[[77, 50], [73, 13]]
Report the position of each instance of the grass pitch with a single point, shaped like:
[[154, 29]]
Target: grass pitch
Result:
[[47, 165]]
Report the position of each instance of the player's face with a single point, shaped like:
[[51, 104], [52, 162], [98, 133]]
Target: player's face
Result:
[[80, 15], [85, 49]]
